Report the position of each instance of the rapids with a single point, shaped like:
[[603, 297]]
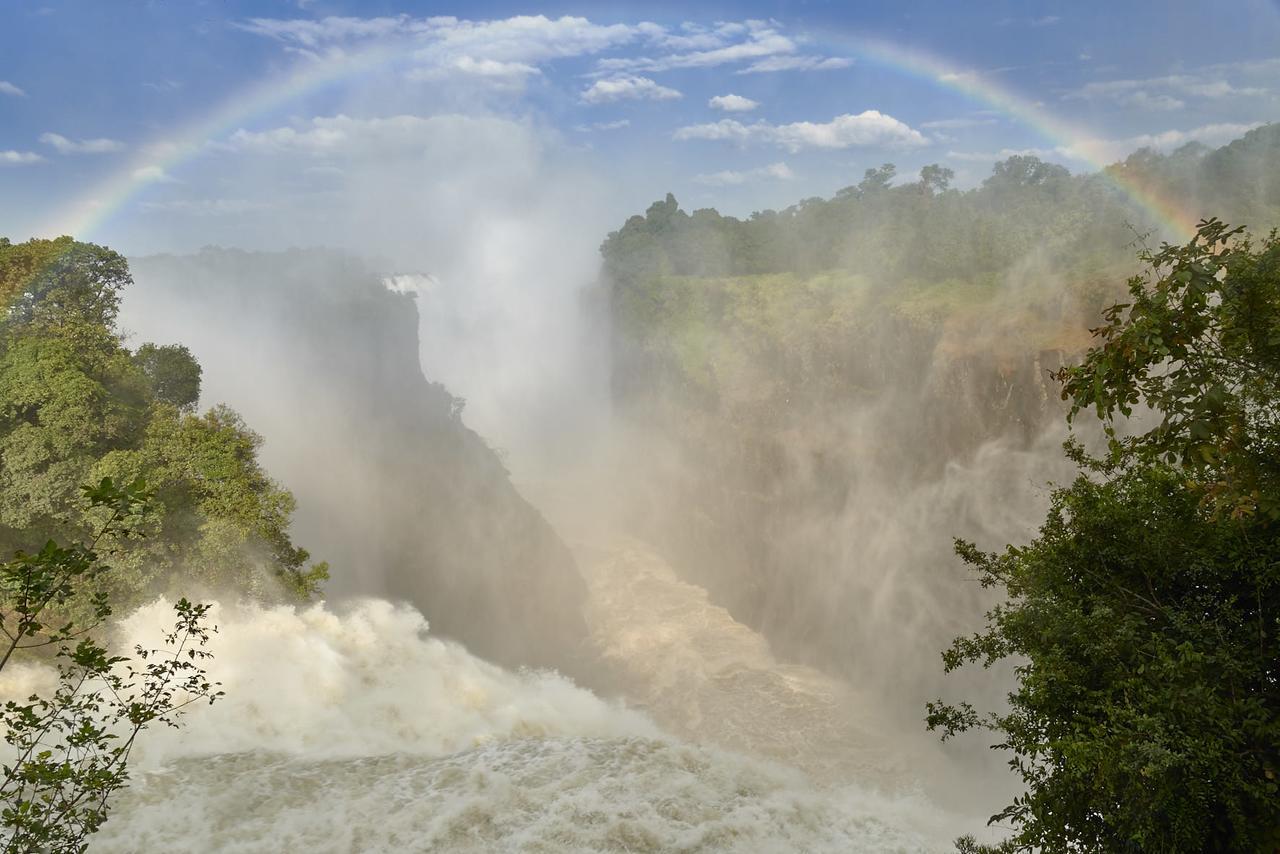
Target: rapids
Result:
[[350, 728]]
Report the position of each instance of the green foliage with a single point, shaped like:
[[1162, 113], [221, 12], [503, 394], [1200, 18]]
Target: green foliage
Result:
[[1199, 344], [76, 405], [1144, 621], [52, 283], [173, 372], [68, 752], [969, 845]]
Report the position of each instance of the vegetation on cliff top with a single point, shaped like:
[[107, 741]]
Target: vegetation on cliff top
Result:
[[77, 405]]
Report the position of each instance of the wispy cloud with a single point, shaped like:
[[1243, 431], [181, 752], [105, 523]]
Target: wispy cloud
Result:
[[756, 40], [958, 123], [207, 207], [629, 89], [1163, 93], [869, 128], [441, 42], [80, 146], [796, 63], [19, 158], [594, 126], [7, 88], [729, 178], [1144, 100]]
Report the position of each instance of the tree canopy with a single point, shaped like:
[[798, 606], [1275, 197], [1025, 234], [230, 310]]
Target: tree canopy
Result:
[[891, 229], [76, 405]]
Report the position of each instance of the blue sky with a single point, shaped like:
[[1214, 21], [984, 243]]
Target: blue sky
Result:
[[169, 125]]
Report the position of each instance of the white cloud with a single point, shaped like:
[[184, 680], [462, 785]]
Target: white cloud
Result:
[[80, 146], [796, 63], [725, 129], [775, 171], [733, 103], [628, 88], [523, 38], [7, 88], [493, 67], [496, 73], [154, 174], [869, 128], [19, 158]]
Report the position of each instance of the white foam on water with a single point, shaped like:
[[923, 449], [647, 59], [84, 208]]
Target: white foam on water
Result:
[[358, 731]]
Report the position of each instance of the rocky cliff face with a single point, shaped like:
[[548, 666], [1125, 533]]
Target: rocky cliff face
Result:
[[814, 482], [393, 489]]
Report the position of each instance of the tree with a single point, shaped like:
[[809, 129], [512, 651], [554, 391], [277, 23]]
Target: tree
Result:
[[877, 180], [935, 179], [1024, 170], [1145, 620], [1200, 346], [69, 752], [51, 282], [173, 372]]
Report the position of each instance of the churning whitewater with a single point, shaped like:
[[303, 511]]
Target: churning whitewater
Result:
[[410, 743]]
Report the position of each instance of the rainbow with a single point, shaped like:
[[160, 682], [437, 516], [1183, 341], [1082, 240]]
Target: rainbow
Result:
[[1171, 215], [157, 160]]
